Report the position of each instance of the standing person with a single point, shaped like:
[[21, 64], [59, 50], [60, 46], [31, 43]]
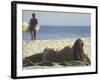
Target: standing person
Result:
[[33, 25]]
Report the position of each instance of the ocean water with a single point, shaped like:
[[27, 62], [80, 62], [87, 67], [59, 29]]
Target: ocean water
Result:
[[59, 32]]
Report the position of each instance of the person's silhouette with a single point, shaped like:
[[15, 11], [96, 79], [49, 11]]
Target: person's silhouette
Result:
[[33, 24]]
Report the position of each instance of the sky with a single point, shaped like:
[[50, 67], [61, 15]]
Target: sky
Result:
[[58, 18]]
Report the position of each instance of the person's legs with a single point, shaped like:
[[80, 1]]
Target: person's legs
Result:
[[33, 35]]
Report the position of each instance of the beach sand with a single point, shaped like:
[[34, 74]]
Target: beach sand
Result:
[[34, 47], [37, 46]]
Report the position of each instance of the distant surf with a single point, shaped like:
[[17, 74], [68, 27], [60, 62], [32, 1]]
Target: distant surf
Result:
[[59, 32]]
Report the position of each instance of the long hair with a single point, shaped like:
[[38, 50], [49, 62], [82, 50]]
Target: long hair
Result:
[[78, 51]]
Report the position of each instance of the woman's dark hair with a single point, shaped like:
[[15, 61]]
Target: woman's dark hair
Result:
[[78, 49]]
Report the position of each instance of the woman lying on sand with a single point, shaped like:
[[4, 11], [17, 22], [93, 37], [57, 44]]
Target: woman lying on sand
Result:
[[66, 57]]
